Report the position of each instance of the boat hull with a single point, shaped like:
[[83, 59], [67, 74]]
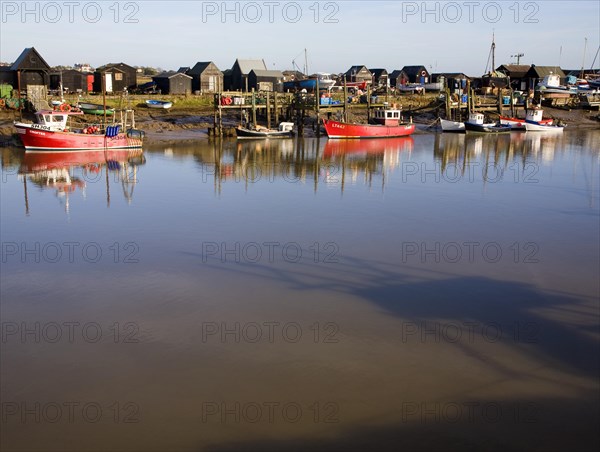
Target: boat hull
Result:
[[519, 124], [159, 104], [243, 133], [531, 127], [486, 128], [337, 129], [452, 126], [38, 140]]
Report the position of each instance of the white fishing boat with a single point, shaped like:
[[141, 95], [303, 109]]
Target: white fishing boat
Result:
[[452, 126], [550, 88], [476, 124], [532, 127], [326, 81], [533, 115]]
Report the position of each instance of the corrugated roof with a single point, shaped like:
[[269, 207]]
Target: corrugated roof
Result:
[[267, 73], [542, 71], [247, 65]]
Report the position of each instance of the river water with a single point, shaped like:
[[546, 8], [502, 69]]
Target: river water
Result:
[[428, 293]]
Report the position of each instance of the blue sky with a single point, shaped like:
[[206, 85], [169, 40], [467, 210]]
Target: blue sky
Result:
[[444, 36]]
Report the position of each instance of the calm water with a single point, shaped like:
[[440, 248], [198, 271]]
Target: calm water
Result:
[[428, 293]]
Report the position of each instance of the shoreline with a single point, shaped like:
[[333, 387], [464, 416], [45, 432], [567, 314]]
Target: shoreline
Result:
[[190, 125]]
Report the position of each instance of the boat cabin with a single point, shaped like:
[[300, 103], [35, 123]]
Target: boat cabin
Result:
[[52, 120], [286, 126], [476, 118], [534, 115], [388, 116], [551, 81]]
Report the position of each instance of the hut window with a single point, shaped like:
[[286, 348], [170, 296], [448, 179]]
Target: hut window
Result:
[[118, 76]]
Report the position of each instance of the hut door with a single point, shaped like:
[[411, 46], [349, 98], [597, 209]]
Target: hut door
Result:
[[37, 95], [108, 83], [212, 81]]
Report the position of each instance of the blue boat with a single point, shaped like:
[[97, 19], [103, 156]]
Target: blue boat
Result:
[[309, 84], [159, 104]]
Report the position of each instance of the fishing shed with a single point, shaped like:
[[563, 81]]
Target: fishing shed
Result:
[[416, 74], [173, 83], [535, 74], [358, 74], [264, 80], [119, 76], [29, 69], [72, 81], [380, 77], [206, 77], [240, 72], [517, 74]]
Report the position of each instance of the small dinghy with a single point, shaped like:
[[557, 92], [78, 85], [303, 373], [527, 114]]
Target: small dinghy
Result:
[[159, 104], [285, 130]]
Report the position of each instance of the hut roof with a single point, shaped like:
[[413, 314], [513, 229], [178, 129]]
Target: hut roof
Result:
[[267, 73], [200, 67], [248, 65], [413, 70], [170, 74], [514, 70], [542, 71], [24, 58]]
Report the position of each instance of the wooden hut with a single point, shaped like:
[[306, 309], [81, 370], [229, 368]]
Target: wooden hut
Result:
[[263, 80], [359, 74], [173, 83], [517, 74], [416, 74], [535, 74], [206, 77], [118, 76], [380, 78], [72, 81], [240, 72], [30, 69]]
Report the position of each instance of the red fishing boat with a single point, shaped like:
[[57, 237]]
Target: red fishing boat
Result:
[[51, 132], [389, 125]]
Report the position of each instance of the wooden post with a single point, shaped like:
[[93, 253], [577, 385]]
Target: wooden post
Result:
[[345, 101], [276, 109], [253, 107], [268, 111], [103, 79], [317, 108], [499, 100], [19, 94], [368, 104]]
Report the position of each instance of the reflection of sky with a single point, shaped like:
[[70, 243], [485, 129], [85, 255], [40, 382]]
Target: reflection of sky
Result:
[[378, 34]]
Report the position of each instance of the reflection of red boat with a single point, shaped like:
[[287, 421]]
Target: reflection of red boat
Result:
[[339, 147], [389, 126], [51, 160]]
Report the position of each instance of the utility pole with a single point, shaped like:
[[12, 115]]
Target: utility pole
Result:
[[518, 57]]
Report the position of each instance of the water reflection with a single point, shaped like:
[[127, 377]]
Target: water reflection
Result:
[[66, 172]]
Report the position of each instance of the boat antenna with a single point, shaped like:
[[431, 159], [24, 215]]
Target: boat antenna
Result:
[[518, 57]]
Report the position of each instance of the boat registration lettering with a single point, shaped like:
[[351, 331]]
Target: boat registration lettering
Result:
[[40, 126], [339, 126], [35, 132]]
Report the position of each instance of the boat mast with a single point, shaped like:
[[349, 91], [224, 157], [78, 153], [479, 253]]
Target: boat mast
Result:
[[305, 63], [583, 60]]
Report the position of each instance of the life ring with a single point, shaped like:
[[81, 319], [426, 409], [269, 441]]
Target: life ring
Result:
[[2, 103], [228, 101], [65, 108], [423, 73]]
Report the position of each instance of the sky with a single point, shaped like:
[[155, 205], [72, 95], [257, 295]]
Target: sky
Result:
[[443, 36]]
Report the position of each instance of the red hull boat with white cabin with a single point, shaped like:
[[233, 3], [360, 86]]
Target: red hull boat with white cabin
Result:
[[533, 116], [51, 133], [388, 125]]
